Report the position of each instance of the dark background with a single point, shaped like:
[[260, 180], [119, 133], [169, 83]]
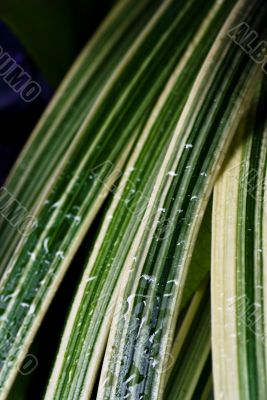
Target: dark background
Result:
[[17, 117], [53, 48]]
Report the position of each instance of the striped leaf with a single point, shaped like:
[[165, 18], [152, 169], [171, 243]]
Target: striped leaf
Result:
[[99, 128], [239, 263], [147, 113], [151, 286], [70, 113], [87, 327]]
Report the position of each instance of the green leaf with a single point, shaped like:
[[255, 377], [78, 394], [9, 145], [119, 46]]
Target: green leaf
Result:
[[89, 85], [87, 328], [141, 333], [147, 112], [88, 323], [74, 158], [239, 262]]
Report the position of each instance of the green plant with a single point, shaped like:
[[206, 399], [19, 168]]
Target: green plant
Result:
[[138, 132]]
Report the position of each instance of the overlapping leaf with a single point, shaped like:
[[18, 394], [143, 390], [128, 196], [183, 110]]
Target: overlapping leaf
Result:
[[87, 327], [66, 194], [152, 91], [142, 330], [77, 168]]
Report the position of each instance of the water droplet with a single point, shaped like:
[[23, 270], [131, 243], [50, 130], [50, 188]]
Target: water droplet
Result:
[[56, 204], [46, 245], [172, 173], [91, 278], [60, 254], [32, 256]]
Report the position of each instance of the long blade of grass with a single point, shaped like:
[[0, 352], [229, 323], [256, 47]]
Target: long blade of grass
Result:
[[239, 264]]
